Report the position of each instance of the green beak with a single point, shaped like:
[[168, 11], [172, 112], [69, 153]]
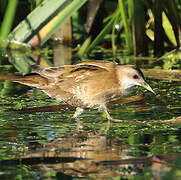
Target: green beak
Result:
[[147, 86]]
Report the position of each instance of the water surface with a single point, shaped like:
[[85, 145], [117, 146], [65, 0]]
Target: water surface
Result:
[[39, 140]]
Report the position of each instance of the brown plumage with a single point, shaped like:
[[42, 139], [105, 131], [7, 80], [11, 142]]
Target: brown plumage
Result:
[[87, 84]]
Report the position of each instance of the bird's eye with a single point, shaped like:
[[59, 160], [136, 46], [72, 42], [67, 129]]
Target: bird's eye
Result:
[[135, 76]]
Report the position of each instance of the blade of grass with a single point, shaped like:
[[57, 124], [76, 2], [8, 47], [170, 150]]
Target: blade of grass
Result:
[[114, 47], [101, 35], [168, 29], [127, 29], [83, 48], [7, 22], [35, 20], [36, 31], [130, 9], [172, 11]]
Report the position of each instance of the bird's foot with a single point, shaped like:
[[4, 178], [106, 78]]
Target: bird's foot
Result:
[[79, 124], [110, 119], [115, 120]]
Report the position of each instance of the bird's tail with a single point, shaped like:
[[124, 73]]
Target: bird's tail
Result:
[[4, 77], [32, 80]]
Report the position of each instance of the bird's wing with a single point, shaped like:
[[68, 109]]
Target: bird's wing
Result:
[[75, 72]]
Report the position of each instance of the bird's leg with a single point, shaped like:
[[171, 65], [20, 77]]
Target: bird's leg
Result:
[[76, 114], [109, 117]]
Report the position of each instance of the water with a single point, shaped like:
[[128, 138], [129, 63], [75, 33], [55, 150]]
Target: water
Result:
[[40, 142]]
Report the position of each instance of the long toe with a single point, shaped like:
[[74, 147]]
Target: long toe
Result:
[[115, 120], [110, 118], [80, 126]]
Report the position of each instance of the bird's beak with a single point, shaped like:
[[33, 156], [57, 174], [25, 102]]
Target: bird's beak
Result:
[[147, 86]]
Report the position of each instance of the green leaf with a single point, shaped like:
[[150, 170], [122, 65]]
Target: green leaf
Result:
[[7, 22], [168, 29], [127, 29], [101, 35], [42, 24]]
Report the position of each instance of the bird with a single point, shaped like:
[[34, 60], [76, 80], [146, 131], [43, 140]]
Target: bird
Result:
[[86, 85]]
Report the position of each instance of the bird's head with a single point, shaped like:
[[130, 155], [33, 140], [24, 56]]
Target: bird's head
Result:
[[129, 76]]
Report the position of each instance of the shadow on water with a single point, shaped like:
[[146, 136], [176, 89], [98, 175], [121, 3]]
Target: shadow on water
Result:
[[39, 140]]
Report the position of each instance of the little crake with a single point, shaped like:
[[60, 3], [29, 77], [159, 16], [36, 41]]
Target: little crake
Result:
[[86, 84]]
